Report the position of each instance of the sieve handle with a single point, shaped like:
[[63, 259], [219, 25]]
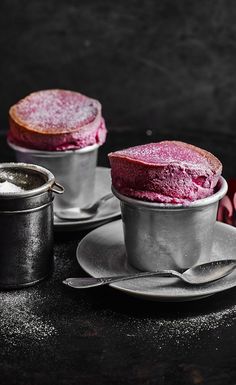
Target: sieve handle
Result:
[[57, 188]]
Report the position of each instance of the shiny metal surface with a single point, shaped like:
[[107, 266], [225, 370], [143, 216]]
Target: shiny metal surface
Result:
[[75, 170], [26, 229], [164, 236], [76, 214], [209, 272], [197, 275], [101, 253], [106, 212], [39, 179], [26, 247]]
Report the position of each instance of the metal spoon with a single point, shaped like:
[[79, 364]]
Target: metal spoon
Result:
[[76, 214], [197, 275]]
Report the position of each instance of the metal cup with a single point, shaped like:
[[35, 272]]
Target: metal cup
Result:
[[26, 224], [74, 169], [169, 236]]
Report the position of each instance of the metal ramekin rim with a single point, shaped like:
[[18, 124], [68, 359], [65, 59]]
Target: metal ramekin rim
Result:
[[33, 151], [219, 194], [36, 191]]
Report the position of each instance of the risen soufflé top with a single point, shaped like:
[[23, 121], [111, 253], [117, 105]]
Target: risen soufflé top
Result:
[[165, 172], [56, 120]]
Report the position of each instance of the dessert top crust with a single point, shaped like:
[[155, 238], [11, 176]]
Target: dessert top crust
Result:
[[56, 112], [170, 152]]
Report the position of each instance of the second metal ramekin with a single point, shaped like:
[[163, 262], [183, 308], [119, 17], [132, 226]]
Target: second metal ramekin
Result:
[[169, 236], [74, 169]]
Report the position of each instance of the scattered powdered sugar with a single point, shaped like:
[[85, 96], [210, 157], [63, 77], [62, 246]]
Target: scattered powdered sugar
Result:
[[183, 330], [189, 327], [8, 187], [20, 319]]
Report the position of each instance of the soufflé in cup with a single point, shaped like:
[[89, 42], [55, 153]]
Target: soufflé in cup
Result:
[[62, 131], [169, 193]]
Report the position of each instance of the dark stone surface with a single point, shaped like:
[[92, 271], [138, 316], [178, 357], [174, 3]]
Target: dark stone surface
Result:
[[50, 334], [160, 65]]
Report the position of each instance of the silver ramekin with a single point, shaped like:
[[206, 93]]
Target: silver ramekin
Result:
[[74, 169], [26, 225], [169, 236]]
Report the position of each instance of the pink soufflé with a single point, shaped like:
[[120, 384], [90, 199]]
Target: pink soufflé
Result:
[[56, 120], [165, 172]]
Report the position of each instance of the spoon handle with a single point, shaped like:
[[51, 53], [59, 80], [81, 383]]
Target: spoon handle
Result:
[[87, 282], [100, 202]]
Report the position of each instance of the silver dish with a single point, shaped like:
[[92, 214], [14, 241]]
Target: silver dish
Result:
[[102, 253], [109, 211]]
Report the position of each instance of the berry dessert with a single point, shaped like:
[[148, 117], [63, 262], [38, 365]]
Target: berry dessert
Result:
[[165, 172], [56, 120]]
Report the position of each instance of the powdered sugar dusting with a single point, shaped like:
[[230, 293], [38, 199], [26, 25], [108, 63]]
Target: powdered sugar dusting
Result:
[[165, 153], [8, 187], [189, 327], [180, 330], [57, 110], [20, 319]]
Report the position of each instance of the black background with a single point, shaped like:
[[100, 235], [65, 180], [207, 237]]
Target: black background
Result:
[[161, 69], [155, 65]]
